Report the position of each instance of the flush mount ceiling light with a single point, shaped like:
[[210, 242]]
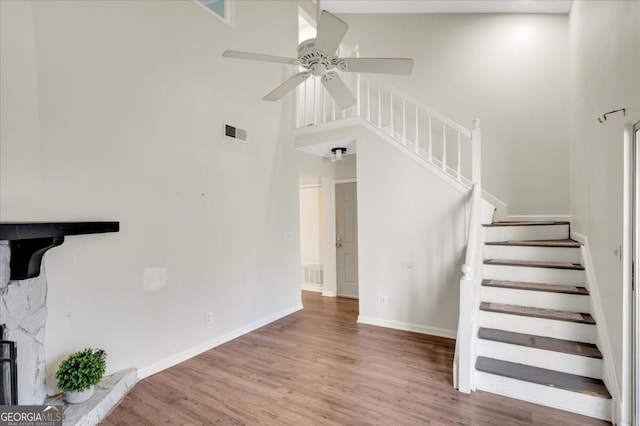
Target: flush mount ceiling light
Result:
[[337, 153]]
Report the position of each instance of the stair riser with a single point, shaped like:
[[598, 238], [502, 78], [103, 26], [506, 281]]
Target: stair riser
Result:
[[519, 233], [531, 274], [574, 402], [539, 326], [537, 299], [558, 361], [543, 254]]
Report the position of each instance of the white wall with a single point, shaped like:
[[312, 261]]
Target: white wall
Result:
[[508, 70], [310, 224], [114, 110], [411, 231], [605, 64]]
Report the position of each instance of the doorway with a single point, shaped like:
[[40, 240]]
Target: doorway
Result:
[[346, 239]]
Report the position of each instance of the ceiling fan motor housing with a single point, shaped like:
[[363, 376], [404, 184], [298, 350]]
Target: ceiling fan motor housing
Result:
[[316, 61]]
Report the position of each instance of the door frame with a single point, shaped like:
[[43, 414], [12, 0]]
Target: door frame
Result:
[[634, 142]]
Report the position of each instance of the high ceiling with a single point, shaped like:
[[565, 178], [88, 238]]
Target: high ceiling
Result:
[[447, 6]]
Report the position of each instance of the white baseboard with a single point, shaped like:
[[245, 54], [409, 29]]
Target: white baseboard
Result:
[[416, 328], [347, 296], [608, 369], [329, 293], [158, 366], [310, 287], [539, 218]]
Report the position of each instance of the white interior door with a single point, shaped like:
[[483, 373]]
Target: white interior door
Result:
[[347, 239]]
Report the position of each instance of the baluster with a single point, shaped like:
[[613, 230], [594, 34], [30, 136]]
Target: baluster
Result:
[[315, 101], [417, 142], [305, 103], [324, 101], [444, 147], [391, 113], [430, 146], [333, 109], [358, 94], [404, 124], [379, 108], [459, 157], [368, 101]]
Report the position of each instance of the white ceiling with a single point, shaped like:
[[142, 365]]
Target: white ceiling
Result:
[[447, 6]]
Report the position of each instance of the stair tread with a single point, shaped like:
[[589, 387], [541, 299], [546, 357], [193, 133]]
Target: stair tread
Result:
[[552, 314], [551, 288], [535, 264], [588, 350], [567, 243], [525, 223], [542, 376]]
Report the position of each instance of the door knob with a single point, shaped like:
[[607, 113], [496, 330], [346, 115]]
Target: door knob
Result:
[[338, 242]]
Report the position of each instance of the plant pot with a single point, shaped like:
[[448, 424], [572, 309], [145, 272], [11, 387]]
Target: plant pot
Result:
[[78, 397]]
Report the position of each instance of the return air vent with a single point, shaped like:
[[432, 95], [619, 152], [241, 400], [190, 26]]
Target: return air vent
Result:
[[232, 132]]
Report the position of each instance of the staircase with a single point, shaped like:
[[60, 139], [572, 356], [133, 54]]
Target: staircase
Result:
[[536, 336]]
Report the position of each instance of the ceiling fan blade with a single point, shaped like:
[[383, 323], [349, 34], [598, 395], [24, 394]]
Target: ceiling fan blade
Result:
[[338, 90], [331, 31], [377, 65], [257, 57], [287, 86]]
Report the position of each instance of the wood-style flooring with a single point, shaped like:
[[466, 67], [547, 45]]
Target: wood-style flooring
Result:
[[319, 367]]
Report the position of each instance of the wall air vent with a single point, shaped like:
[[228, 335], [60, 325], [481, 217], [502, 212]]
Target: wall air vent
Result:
[[232, 132]]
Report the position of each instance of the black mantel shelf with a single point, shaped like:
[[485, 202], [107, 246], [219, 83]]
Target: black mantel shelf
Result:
[[30, 240]]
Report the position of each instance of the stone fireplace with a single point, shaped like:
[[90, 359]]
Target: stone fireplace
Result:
[[23, 314]]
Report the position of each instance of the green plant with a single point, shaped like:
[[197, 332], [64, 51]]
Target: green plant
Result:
[[81, 370]]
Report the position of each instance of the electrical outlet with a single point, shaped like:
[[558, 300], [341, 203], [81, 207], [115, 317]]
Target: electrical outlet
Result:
[[383, 300], [208, 318]]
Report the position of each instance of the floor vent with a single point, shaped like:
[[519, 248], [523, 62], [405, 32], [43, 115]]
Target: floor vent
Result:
[[232, 132]]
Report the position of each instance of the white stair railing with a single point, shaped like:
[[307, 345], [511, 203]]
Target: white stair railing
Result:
[[419, 129]]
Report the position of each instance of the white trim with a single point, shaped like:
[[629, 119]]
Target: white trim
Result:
[[540, 217], [309, 287], [310, 186], [347, 296], [346, 180], [172, 360], [229, 11], [500, 206], [416, 328], [602, 334], [329, 293]]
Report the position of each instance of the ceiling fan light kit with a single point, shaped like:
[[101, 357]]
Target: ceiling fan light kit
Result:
[[318, 57]]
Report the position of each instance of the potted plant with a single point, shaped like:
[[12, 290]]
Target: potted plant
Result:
[[78, 374]]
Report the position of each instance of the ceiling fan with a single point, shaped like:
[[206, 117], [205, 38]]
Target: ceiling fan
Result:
[[318, 57]]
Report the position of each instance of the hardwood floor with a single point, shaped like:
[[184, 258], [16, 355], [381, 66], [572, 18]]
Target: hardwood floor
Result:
[[318, 366]]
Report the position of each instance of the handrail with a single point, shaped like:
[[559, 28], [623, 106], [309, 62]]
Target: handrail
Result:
[[469, 297], [416, 127]]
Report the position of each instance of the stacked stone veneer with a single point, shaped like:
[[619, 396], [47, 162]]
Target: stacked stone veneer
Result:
[[23, 311]]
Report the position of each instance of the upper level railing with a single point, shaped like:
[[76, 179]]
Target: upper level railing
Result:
[[440, 141]]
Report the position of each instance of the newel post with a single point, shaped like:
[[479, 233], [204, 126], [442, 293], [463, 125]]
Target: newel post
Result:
[[476, 152]]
